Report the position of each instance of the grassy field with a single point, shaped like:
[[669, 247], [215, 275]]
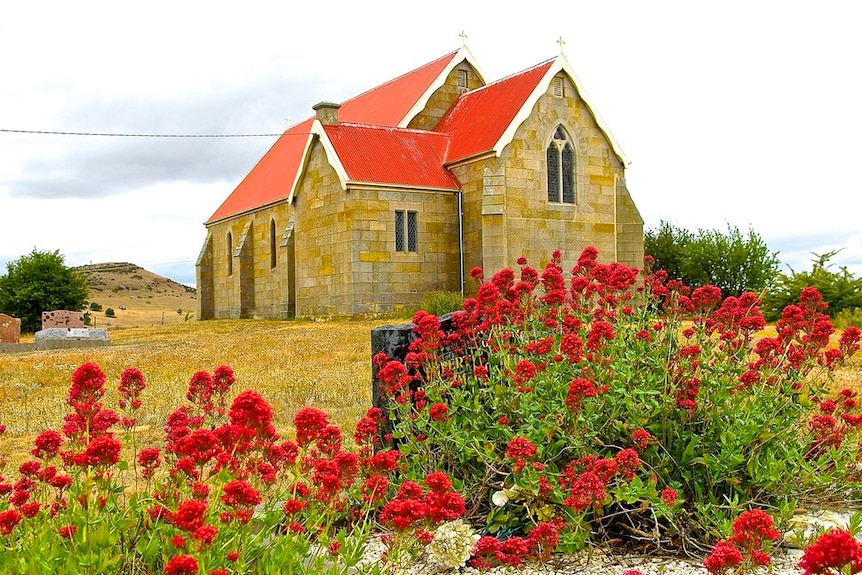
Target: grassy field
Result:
[[292, 364]]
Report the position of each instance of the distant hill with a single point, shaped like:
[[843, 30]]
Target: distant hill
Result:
[[139, 298]]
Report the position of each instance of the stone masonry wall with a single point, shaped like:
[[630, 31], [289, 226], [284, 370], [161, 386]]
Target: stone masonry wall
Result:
[[444, 97], [386, 280], [252, 269], [532, 226], [323, 240], [345, 244]]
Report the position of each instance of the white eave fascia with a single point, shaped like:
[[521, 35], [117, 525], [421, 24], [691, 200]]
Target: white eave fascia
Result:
[[459, 56], [560, 64], [318, 131], [379, 185]]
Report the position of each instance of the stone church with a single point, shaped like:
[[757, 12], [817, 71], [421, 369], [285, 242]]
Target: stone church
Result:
[[373, 203]]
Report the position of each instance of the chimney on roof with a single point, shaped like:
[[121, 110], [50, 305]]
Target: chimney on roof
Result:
[[327, 113]]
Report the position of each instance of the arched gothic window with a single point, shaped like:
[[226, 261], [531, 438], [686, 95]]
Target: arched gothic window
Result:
[[561, 168], [229, 254], [273, 259]]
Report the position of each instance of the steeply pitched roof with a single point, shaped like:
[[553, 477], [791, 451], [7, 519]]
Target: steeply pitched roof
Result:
[[388, 156], [394, 103], [273, 176], [389, 103], [479, 118]]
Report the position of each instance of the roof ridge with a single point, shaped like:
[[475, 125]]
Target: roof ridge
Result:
[[387, 128], [515, 75], [400, 76]]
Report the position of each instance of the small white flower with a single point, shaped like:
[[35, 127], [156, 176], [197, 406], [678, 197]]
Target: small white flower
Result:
[[452, 545], [500, 498]]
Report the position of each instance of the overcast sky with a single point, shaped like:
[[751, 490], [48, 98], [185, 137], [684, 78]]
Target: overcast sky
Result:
[[731, 113]]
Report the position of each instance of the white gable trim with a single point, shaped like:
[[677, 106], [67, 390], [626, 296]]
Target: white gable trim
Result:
[[318, 131], [461, 55], [560, 64]]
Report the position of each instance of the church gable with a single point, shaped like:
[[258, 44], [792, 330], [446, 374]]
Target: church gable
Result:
[[462, 78]]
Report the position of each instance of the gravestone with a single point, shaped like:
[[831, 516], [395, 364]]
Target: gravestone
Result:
[[10, 329], [62, 329], [394, 341], [62, 318]]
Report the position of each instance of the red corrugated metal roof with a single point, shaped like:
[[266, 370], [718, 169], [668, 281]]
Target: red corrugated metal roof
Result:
[[271, 179], [395, 156], [478, 119], [387, 104]]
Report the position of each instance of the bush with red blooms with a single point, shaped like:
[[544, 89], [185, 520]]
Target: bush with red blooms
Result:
[[608, 396], [753, 535], [225, 495]]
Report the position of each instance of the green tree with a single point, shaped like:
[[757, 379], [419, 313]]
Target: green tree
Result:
[[732, 261], [668, 245], [37, 282], [840, 289]]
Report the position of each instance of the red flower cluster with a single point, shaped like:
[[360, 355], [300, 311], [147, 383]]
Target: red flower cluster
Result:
[[834, 550], [489, 552], [91, 442], [367, 434], [47, 445], [724, 556], [669, 496], [642, 438], [753, 531], [413, 506], [833, 420], [8, 520], [579, 389], [520, 448], [181, 565], [586, 479], [438, 412]]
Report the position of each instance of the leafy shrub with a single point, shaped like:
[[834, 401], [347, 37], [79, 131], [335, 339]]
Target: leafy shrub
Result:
[[733, 262], [564, 399], [110, 312], [442, 302], [848, 317], [94, 306], [841, 290]]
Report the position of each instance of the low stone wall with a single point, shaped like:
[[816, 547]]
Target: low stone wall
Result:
[[65, 338], [16, 347]]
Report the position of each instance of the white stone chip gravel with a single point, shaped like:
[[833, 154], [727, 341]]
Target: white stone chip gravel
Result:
[[784, 562]]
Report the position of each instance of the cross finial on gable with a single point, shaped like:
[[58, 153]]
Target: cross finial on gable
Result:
[[463, 36], [560, 41], [287, 119]]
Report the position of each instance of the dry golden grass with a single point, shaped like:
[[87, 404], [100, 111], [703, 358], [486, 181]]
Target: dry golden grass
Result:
[[291, 363]]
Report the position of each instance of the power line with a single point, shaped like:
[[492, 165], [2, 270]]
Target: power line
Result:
[[116, 135]]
